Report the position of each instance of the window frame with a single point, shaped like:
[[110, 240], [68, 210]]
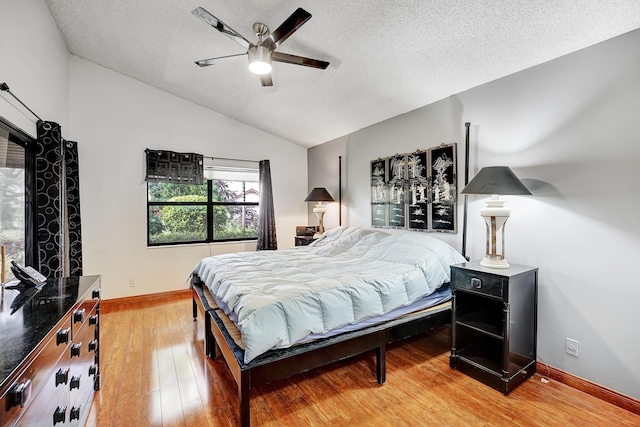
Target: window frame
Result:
[[28, 142], [210, 204]]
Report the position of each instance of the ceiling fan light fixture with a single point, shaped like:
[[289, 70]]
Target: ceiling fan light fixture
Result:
[[259, 60]]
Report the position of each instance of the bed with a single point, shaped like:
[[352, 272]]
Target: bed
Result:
[[273, 314]]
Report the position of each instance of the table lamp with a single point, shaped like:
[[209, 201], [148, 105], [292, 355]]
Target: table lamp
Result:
[[496, 181], [319, 195]]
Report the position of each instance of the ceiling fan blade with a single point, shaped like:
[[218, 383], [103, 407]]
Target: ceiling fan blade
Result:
[[288, 27], [298, 60], [221, 26], [219, 59], [265, 80]]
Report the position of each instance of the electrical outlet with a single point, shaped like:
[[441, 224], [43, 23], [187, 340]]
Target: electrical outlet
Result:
[[132, 283], [572, 347]]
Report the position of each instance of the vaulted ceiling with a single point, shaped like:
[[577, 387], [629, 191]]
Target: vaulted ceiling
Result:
[[386, 57]]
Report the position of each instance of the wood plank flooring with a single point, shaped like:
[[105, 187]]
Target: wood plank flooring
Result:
[[154, 373]]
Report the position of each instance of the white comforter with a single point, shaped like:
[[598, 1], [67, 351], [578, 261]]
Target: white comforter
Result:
[[277, 298]]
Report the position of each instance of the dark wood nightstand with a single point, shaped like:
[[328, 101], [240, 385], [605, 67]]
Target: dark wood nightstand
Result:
[[494, 323], [304, 240]]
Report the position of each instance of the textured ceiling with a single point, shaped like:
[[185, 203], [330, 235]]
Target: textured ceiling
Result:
[[387, 57]]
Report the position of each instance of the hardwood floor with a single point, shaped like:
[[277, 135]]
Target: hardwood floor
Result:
[[154, 373]]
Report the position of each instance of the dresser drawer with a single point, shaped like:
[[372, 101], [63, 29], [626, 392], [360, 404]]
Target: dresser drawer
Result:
[[475, 281], [52, 401], [32, 379], [82, 377], [84, 310]]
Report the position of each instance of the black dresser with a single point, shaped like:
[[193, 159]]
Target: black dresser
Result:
[[49, 357]]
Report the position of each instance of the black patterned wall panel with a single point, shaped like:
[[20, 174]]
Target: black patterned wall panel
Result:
[[48, 191], [73, 208]]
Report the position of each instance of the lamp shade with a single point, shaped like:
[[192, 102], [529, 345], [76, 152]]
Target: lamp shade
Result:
[[496, 180], [319, 194]]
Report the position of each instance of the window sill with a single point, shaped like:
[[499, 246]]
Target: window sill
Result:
[[193, 245]]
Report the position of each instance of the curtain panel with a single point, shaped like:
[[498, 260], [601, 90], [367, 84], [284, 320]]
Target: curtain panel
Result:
[[266, 216], [57, 198], [177, 168]]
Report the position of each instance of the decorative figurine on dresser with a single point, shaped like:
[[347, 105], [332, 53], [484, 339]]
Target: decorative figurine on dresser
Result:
[[50, 364], [494, 323]]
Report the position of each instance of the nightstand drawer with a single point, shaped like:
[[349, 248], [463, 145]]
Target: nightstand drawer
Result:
[[477, 282], [304, 240]]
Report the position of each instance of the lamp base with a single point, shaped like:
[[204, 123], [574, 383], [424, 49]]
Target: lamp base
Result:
[[494, 263], [319, 211]]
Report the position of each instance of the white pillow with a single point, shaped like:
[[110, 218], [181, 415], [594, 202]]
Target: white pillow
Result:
[[339, 242], [414, 249]]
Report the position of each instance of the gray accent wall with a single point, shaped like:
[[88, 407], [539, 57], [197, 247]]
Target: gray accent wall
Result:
[[570, 129]]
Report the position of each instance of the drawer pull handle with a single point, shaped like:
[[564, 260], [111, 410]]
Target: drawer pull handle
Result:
[[62, 337], [75, 383], [93, 345], [75, 350], [476, 283], [93, 369], [60, 415], [18, 394], [74, 413], [78, 316], [62, 376], [93, 320], [95, 294]]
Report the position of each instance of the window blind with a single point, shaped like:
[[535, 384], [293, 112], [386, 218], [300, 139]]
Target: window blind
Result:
[[231, 169]]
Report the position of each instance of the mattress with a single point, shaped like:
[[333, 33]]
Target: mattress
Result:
[[424, 305], [344, 279]]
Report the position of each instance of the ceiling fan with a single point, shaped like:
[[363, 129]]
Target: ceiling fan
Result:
[[263, 52]]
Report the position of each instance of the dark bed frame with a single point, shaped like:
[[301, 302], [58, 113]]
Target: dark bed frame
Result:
[[279, 364]]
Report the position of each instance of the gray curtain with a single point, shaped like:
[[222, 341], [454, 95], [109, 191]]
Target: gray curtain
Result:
[[58, 236], [266, 217]]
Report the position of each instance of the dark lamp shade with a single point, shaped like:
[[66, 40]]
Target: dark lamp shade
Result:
[[498, 180], [319, 194]]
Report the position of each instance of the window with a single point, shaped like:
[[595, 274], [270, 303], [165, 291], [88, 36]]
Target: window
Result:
[[218, 210], [12, 198]]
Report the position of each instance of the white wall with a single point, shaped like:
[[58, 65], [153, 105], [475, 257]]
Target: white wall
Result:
[[568, 128], [34, 62], [114, 119]]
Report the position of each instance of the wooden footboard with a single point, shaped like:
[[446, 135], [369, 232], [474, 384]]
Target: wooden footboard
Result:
[[279, 364]]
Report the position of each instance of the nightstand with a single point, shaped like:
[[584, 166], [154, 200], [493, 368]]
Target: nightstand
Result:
[[494, 323], [304, 240]]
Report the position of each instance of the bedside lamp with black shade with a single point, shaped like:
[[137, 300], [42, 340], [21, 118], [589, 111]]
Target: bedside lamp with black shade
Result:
[[319, 195], [495, 181]]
